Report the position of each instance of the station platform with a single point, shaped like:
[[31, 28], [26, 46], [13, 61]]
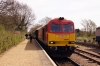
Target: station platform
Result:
[[26, 54]]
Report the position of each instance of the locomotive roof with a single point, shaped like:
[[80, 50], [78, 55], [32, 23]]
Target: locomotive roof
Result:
[[98, 28], [55, 20], [60, 19]]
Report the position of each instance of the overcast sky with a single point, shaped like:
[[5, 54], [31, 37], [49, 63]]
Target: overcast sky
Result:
[[75, 10]]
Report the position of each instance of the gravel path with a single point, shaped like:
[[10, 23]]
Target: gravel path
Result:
[[24, 54]]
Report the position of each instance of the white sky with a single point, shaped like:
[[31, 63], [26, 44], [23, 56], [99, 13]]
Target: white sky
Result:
[[75, 10]]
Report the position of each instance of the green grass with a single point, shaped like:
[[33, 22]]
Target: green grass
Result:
[[81, 39]]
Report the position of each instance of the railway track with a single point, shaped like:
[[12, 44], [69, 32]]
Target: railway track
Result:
[[62, 61], [65, 62], [90, 56]]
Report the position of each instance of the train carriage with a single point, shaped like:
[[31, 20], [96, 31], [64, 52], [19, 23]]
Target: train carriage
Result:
[[59, 36], [98, 35]]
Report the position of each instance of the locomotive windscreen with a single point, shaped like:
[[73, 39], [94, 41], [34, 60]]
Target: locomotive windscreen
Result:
[[61, 28], [67, 28], [55, 27]]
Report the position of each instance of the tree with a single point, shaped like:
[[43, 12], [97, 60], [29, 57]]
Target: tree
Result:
[[5, 7], [18, 16], [33, 29], [26, 17], [89, 26], [77, 32], [44, 21], [40, 24]]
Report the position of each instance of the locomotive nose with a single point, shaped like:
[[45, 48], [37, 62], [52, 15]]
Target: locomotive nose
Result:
[[62, 37]]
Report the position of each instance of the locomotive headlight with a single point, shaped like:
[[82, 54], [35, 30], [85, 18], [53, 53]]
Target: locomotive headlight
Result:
[[51, 42]]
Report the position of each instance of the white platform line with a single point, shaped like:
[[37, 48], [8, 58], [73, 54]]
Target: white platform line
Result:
[[47, 55]]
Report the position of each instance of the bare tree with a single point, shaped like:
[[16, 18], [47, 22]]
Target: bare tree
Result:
[[5, 7], [17, 15], [22, 16], [44, 21], [33, 29], [89, 26], [92, 27], [40, 24], [26, 17]]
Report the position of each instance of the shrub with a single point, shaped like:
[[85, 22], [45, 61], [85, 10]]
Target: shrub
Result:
[[9, 39]]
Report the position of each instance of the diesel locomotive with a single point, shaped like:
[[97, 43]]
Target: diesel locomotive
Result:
[[58, 36]]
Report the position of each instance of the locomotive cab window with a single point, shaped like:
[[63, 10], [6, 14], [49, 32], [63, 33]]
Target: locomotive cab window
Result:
[[55, 28], [67, 28]]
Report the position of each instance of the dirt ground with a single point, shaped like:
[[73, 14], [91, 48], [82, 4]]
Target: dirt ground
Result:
[[24, 54]]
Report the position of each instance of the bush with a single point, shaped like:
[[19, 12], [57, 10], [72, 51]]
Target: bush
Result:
[[9, 39]]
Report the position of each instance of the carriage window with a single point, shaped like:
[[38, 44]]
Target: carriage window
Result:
[[55, 28], [67, 28]]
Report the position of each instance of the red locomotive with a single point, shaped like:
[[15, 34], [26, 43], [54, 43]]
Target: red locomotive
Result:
[[58, 36]]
